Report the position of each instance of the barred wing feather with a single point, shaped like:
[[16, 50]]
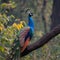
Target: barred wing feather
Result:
[[23, 34]]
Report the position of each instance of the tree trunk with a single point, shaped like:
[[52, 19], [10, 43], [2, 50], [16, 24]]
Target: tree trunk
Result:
[[43, 17], [55, 18]]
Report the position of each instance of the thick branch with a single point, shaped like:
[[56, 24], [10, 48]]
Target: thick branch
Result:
[[46, 38]]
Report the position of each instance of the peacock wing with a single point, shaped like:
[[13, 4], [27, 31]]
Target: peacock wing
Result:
[[23, 34]]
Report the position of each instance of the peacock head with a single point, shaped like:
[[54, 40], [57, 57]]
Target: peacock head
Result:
[[28, 11]]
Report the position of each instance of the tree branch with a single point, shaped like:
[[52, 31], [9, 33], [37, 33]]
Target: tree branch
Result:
[[46, 38]]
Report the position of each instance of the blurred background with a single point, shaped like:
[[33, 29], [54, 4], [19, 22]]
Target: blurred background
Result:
[[13, 11]]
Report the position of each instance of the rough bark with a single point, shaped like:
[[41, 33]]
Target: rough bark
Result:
[[46, 38], [55, 14]]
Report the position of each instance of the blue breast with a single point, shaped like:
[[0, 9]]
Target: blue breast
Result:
[[31, 23]]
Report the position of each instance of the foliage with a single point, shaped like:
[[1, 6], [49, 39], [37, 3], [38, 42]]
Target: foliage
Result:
[[8, 31]]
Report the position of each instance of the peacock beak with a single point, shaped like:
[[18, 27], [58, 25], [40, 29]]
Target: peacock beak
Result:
[[31, 14]]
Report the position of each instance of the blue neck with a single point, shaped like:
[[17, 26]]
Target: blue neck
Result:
[[30, 22]]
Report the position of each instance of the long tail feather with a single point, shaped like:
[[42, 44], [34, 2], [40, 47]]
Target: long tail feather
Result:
[[15, 51]]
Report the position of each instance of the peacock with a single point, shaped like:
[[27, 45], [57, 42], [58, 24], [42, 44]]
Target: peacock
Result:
[[23, 38], [27, 32]]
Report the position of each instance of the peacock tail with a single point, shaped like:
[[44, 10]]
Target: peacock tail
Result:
[[14, 53], [15, 50]]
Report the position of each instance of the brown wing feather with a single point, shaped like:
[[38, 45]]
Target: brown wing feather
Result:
[[22, 35], [25, 44]]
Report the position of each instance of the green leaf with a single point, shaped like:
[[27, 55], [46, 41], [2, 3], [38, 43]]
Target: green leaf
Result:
[[1, 49]]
